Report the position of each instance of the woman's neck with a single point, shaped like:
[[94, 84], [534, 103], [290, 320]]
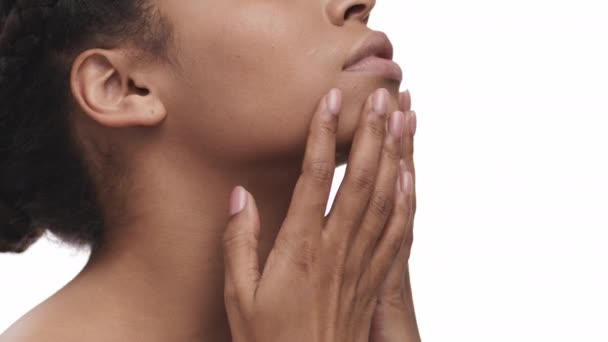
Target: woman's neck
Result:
[[162, 274]]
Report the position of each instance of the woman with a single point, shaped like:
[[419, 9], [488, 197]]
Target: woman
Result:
[[126, 125]]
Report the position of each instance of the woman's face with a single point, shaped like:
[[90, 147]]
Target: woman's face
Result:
[[249, 74]]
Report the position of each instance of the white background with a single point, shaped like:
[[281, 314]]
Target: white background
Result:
[[511, 169]]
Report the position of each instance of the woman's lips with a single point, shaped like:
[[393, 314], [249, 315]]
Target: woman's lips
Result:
[[374, 64]]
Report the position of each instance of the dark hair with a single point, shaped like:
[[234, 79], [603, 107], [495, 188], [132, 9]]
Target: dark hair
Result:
[[45, 183]]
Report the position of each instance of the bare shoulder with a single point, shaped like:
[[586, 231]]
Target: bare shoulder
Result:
[[35, 326], [25, 330], [69, 316], [55, 319]]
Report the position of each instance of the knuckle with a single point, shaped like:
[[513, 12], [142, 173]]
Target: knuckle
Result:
[[303, 254], [394, 245], [376, 128], [328, 128], [320, 171], [371, 304], [362, 179], [392, 298], [234, 239], [368, 302], [392, 152], [381, 204], [308, 252]]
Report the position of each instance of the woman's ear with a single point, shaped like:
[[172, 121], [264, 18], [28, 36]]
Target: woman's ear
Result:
[[113, 93]]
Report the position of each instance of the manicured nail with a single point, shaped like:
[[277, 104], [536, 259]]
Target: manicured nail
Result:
[[405, 102], [380, 101], [238, 198], [334, 101], [397, 124], [413, 123]]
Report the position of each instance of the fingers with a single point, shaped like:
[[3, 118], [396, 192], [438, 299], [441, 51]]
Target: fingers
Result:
[[309, 201], [354, 192], [410, 155], [396, 229], [383, 197], [394, 280], [405, 104], [240, 244]]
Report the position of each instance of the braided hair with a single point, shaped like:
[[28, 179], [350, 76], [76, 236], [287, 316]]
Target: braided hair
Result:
[[45, 183]]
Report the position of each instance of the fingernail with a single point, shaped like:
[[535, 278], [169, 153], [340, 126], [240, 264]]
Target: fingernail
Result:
[[237, 200], [380, 101], [402, 96], [397, 124], [413, 123], [405, 100], [334, 101]]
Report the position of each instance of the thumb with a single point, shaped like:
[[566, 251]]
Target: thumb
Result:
[[240, 243]]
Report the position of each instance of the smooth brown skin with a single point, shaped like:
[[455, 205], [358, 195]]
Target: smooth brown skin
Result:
[[322, 278], [234, 106]]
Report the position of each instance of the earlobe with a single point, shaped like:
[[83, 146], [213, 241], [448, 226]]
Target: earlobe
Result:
[[110, 91]]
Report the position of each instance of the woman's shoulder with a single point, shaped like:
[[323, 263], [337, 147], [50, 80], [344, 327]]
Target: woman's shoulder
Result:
[[47, 322], [34, 326], [52, 320]]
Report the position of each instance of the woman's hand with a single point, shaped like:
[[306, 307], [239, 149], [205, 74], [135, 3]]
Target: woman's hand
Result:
[[395, 318], [322, 278]]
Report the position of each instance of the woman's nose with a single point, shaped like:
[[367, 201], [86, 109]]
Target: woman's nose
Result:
[[339, 11]]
